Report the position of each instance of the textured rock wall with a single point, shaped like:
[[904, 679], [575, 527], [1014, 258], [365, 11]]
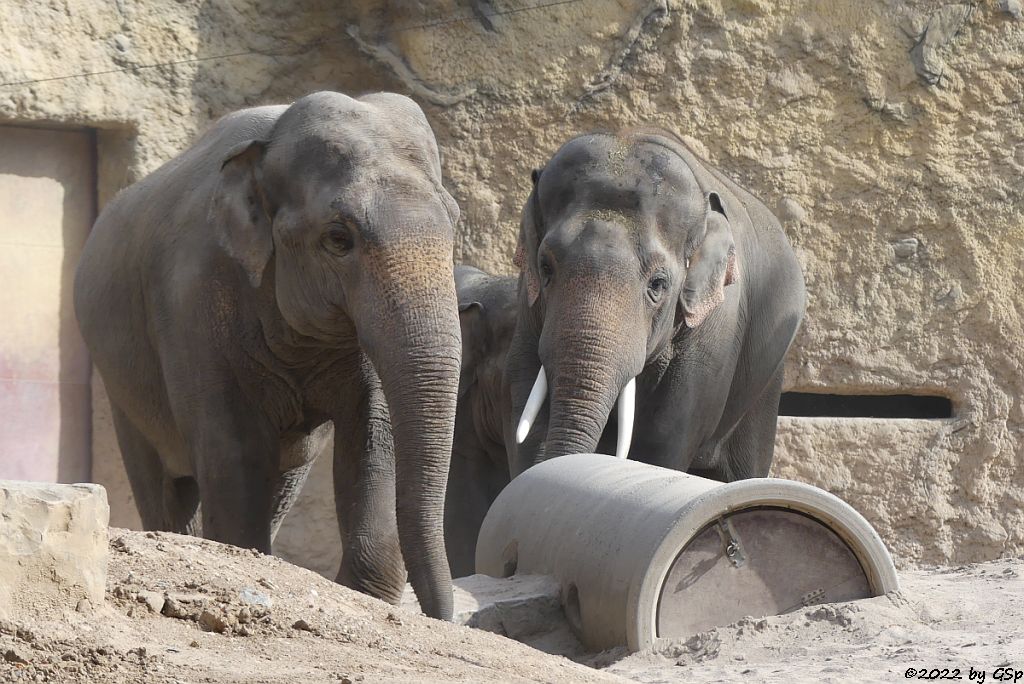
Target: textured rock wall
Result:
[[889, 136]]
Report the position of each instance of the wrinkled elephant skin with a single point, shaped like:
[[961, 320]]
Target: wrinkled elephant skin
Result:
[[286, 277], [651, 286], [479, 470]]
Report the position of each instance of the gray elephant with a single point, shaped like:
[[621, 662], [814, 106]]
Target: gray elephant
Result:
[[654, 287], [287, 278], [479, 470]]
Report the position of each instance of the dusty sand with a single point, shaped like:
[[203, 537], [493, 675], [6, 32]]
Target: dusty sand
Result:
[[971, 616], [343, 636], [216, 627]]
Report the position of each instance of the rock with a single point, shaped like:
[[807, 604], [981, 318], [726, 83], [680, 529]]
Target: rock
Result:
[[905, 248], [942, 26], [1013, 7], [789, 210], [836, 614], [121, 42], [254, 598], [153, 599], [899, 111], [53, 546], [176, 609], [12, 656], [213, 622]]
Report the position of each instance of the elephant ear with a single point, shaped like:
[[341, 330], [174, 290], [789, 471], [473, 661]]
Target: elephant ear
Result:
[[239, 209], [474, 341], [711, 267], [526, 250]]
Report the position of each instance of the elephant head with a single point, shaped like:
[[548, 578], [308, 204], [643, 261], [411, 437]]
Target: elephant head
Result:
[[341, 215], [622, 247]]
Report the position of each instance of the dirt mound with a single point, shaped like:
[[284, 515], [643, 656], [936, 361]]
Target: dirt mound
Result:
[[941, 618], [181, 609]]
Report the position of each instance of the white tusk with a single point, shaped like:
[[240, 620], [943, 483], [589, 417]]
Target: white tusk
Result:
[[627, 406], [533, 403]]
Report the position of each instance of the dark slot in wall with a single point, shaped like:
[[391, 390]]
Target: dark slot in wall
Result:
[[811, 405]]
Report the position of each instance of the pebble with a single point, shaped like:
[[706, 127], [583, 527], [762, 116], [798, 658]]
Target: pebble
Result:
[[254, 598], [212, 622], [153, 599], [12, 656], [174, 609]]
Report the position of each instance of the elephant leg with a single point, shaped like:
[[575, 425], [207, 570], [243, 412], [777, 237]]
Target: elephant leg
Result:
[[748, 451], [234, 453], [163, 503], [364, 494], [473, 484], [460, 512]]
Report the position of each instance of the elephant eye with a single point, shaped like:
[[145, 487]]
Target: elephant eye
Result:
[[545, 272], [337, 239], [657, 287]]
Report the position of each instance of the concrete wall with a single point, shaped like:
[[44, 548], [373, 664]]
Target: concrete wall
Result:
[[889, 136], [47, 189]]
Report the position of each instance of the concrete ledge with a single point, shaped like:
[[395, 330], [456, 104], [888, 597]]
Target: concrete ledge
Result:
[[527, 608], [53, 547]]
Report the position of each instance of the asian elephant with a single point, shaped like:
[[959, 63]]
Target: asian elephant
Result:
[[479, 470], [652, 281], [287, 278]]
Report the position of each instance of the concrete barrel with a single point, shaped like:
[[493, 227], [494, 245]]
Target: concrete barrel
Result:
[[643, 552]]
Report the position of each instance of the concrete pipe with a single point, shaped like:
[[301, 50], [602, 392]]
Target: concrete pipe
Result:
[[644, 553]]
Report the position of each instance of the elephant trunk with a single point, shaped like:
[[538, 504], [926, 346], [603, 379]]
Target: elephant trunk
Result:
[[416, 352], [589, 366]]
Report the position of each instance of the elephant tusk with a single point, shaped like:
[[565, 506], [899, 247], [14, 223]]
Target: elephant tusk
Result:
[[627, 407], [533, 403]]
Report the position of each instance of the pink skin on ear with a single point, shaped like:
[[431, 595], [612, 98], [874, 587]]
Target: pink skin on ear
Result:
[[710, 303], [732, 269]]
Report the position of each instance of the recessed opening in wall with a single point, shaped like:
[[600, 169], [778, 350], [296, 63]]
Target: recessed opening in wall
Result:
[[813, 405]]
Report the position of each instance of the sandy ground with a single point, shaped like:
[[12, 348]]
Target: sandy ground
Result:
[[181, 609], [237, 616], [941, 619]]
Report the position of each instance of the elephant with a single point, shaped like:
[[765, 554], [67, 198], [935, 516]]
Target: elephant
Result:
[[479, 467], [287, 279], [654, 288]]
